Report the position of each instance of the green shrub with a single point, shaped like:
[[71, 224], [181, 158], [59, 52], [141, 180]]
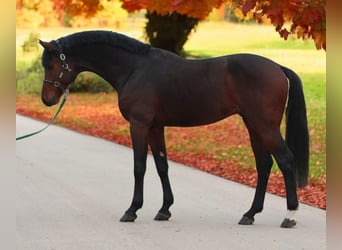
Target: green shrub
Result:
[[31, 43], [30, 77], [90, 82]]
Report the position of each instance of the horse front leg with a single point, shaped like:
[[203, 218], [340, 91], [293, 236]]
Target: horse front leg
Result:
[[157, 144], [139, 137]]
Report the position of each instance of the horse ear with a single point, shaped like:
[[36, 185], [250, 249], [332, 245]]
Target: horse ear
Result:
[[48, 46]]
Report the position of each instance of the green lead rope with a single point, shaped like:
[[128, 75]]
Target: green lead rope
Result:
[[51, 121]]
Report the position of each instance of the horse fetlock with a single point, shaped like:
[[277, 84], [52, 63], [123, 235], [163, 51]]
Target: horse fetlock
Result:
[[292, 204], [168, 202], [135, 206]]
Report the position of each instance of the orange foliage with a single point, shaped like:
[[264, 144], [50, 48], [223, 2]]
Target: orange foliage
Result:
[[199, 9], [307, 18], [77, 7]]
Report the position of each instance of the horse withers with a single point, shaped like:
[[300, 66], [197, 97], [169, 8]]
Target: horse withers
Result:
[[157, 88]]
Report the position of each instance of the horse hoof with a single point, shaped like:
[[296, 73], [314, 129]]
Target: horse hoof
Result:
[[162, 216], [246, 221], [288, 223], [128, 217]]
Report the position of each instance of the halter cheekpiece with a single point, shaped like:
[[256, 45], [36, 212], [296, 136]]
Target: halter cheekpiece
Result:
[[65, 67]]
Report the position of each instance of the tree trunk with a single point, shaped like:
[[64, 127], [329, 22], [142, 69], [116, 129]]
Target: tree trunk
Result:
[[169, 32]]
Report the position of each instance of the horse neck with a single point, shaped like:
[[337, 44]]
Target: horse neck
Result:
[[112, 64]]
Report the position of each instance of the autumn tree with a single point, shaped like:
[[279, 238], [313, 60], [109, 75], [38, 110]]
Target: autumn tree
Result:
[[305, 18], [171, 21], [88, 8], [35, 13], [166, 27]]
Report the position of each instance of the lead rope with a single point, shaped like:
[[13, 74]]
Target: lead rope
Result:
[[66, 93]]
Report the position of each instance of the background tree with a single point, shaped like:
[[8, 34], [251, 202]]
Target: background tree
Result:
[[33, 14], [171, 21], [66, 8], [169, 32], [109, 14], [306, 18]]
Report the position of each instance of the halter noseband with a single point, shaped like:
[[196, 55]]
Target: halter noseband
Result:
[[65, 67]]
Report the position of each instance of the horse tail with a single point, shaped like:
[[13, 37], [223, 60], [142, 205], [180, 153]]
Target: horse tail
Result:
[[297, 135]]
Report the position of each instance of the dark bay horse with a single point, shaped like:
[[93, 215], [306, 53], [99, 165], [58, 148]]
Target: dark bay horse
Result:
[[157, 88]]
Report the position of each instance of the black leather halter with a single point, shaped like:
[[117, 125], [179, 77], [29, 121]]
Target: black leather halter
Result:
[[65, 67]]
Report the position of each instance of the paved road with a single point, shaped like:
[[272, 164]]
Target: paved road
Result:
[[72, 190]]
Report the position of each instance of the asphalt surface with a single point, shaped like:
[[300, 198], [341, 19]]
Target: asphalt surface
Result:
[[72, 190]]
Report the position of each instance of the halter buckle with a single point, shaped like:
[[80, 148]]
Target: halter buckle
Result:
[[56, 84], [66, 67], [62, 57]]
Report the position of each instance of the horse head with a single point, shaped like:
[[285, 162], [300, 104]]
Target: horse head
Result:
[[59, 72]]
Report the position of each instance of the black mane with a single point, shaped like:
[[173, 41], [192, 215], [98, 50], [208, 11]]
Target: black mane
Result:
[[103, 37]]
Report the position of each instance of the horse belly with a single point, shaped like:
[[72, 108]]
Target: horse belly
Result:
[[208, 103], [188, 114]]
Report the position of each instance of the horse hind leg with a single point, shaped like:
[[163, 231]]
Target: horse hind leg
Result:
[[284, 159], [276, 145], [157, 144], [283, 156], [267, 142], [264, 164]]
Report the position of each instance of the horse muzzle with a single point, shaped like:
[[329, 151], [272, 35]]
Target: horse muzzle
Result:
[[50, 101]]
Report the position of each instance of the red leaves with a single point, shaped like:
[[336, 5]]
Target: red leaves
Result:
[[284, 33], [307, 19], [200, 147], [193, 8], [248, 6], [77, 7], [133, 5]]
